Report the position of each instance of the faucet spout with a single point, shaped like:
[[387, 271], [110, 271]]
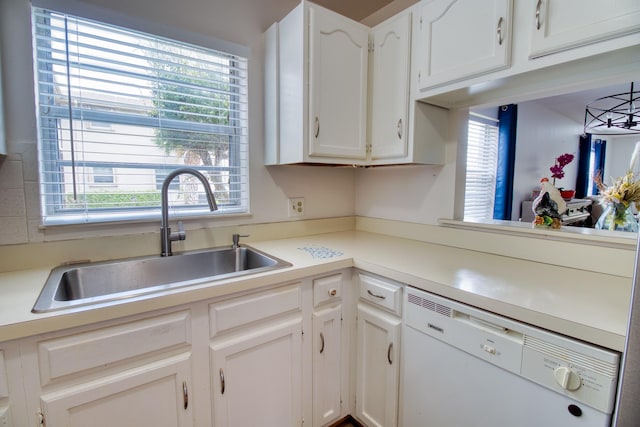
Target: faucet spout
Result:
[[166, 236]]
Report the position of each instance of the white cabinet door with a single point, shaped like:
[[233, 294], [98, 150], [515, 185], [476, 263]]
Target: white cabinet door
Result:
[[327, 361], [559, 25], [378, 365], [155, 395], [337, 85], [390, 88], [458, 39], [257, 377]]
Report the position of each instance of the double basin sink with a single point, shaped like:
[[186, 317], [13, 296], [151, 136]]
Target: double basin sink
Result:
[[103, 282]]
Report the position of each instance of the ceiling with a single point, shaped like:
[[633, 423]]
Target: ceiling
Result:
[[354, 9], [573, 105]]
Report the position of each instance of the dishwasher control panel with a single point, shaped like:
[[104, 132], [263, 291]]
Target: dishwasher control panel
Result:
[[583, 372]]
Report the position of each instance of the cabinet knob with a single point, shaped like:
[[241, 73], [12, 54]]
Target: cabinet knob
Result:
[[333, 292]]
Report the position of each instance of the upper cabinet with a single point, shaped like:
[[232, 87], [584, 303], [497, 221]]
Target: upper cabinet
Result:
[[391, 59], [458, 39], [337, 92], [338, 59], [565, 24], [319, 81]]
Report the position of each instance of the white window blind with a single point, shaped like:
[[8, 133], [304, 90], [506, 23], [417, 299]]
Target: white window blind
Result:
[[135, 106], [482, 160]]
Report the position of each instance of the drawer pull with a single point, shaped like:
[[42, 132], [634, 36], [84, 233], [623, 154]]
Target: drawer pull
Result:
[[222, 385], [185, 395], [321, 342], [333, 292], [375, 295]]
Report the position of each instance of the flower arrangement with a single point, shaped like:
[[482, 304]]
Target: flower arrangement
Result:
[[624, 191], [557, 170]]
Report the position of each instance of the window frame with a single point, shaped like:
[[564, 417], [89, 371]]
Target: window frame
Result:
[[238, 167]]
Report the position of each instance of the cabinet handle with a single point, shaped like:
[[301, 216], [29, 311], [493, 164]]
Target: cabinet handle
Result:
[[222, 386], [538, 7], [499, 31], [185, 394], [321, 342], [399, 128], [375, 295], [389, 353], [317, 127]]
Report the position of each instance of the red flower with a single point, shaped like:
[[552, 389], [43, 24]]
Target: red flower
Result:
[[557, 170]]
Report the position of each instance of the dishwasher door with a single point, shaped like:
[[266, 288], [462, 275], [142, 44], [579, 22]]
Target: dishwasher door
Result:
[[466, 367], [443, 386]]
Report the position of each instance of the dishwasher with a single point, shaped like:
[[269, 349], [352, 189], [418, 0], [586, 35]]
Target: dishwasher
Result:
[[468, 367]]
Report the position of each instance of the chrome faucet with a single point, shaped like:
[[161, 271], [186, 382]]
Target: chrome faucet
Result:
[[166, 236]]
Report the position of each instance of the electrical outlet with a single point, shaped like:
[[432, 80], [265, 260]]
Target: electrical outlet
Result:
[[296, 207], [5, 417]]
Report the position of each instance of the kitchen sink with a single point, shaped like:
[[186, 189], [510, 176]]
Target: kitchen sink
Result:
[[93, 283]]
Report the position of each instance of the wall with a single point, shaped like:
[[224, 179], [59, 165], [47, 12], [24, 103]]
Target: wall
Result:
[[328, 192], [618, 155], [542, 136]]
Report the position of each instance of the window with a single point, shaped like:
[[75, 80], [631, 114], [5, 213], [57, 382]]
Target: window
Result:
[[102, 175], [110, 99], [482, 158]]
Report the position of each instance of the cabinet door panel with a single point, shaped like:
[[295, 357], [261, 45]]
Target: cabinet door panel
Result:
[[338, 86], [257, 377], [564, 24], [389, 106], [378, 367], [462, 38], [152, 395], [327, 373]]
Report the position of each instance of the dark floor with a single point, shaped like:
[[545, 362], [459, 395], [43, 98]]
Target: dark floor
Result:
[[348, 422]]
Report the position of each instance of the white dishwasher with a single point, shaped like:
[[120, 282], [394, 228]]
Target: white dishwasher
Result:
[[467, 367]]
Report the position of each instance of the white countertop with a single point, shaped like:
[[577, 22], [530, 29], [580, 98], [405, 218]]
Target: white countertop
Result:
[[582, 304]]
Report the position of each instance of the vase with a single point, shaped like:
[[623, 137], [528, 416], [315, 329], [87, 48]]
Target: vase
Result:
[[617, 217]]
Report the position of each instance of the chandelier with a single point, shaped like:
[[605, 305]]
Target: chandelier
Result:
[[613, 114]]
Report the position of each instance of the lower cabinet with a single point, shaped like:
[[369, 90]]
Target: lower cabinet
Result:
[[284, 356], [123, 373], [378, 351], [156, 395], [256, 359], [330, 350], [257, 378]]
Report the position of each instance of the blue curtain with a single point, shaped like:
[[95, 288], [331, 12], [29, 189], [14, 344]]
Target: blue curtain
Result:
[[584, 161], [589, 149], [599, 151], [508, 117]]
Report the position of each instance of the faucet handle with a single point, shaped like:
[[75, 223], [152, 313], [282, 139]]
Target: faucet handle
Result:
[[181, 235], [236, 239]]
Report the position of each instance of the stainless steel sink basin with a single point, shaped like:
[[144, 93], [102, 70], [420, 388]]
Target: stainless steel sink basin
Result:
[[93, 283]]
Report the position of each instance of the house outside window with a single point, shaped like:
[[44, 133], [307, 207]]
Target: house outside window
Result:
[[116, 106]]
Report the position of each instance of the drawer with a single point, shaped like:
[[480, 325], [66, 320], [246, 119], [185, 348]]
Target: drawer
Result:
[[71, 354], [229, 314], [327, 289], [380, 292]]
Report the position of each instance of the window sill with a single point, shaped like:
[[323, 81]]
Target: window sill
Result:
[[576, 235]]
